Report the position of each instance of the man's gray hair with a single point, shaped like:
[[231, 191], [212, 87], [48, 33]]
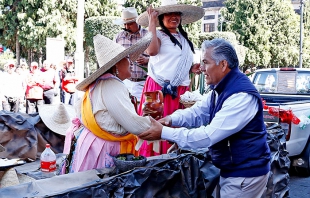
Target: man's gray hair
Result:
[[221, 50]]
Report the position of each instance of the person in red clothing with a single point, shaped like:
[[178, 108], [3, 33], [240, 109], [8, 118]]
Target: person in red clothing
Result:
[[68, 83], [34, 90], [50, 82]]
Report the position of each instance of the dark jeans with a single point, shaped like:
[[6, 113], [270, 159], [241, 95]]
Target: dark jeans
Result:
[[32, 105], [66, 98], [11, 104], [48, 96]]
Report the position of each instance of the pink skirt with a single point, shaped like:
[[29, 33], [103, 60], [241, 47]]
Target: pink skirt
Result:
[[170, 106], [92, 152]]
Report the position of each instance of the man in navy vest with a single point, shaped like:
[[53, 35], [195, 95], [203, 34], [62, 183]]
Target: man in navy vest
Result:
[[228, 121]]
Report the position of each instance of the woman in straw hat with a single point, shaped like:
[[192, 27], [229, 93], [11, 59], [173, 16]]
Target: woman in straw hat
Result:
[[106, 112], [171, 56]]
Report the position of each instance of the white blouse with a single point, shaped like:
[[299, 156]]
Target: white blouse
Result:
[[114, 111]]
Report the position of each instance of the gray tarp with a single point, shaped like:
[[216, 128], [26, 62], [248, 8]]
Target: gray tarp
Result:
[[187, 175], [25, 136], [279, 178]]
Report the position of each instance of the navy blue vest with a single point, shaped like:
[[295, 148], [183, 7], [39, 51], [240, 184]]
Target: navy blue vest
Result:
[[245, 153]]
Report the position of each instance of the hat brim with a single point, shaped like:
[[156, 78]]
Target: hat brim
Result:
[[190, 13], [45, 114], [120, 21], [133, 51]]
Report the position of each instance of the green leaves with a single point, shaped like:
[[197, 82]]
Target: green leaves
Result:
[[268, 28]]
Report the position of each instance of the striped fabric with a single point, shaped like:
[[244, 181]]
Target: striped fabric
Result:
[[127, 39]]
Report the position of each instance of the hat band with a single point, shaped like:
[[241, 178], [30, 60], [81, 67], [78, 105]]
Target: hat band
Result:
[[129, 19]]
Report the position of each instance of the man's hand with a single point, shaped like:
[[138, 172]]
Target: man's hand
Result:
[[165, 121], [154, 132]]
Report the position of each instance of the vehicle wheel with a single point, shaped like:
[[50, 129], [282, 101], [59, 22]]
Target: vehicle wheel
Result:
[[305, 171]]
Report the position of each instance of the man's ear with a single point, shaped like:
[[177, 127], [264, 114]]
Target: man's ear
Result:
[[224, 65]]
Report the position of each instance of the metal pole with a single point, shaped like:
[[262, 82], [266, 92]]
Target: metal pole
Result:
[[79, 53], [79, 59], [221, 25], [301, 32]]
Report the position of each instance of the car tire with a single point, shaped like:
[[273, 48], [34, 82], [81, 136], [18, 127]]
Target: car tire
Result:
[[304, 171]]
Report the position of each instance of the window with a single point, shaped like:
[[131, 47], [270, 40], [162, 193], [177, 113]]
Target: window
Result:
[[209, 27], [209, 17]]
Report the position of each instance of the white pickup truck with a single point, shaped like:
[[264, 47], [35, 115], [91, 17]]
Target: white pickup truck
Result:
[[289, 89]]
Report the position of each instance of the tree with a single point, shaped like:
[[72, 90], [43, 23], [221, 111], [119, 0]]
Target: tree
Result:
[[268, 28], [30, 22], [229, 36], [306, 41], [93, 26]]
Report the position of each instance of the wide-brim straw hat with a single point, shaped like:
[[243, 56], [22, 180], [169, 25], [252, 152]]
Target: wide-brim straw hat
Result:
[[109, 53], [57, 117], [190, 13]]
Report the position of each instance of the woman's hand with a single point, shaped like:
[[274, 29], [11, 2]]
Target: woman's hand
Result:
[[196, 68], [153, 14]]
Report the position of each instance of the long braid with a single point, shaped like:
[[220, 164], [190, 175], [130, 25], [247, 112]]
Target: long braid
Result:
[[172, 38], [184, 34]]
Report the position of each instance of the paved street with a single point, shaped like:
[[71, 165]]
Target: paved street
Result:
[[299, 186]]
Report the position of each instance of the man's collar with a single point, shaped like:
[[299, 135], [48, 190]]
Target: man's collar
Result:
[[135, 33]]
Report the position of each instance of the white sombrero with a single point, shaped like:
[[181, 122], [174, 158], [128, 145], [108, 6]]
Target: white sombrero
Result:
[[128, 15], [109, 53], [57, 117], [190, 13]]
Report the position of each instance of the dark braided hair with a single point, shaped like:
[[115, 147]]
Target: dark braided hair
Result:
[[172, 38]]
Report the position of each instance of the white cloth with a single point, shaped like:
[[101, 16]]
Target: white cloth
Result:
[[114, 111], [241, 105], [135, 88], [166, 61], [12, 85]]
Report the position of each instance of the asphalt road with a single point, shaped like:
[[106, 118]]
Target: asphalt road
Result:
[[299, 186]]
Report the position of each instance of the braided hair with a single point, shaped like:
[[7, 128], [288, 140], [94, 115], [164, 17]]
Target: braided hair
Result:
[[172, 38]]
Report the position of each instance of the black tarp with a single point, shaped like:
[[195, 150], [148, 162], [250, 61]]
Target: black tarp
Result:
[[187, 175], [278, 182], [25, 136]]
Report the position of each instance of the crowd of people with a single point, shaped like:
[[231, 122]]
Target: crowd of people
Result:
[[23, 88]]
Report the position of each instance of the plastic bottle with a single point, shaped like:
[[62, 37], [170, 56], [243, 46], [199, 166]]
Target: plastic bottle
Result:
[[48, 162]]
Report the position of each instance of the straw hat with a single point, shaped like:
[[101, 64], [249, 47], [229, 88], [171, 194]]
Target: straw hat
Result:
[[128, 15], [57, 117], [109, 53], [190, 13]]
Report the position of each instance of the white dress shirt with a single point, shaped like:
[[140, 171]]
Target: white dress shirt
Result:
[[237, 111]]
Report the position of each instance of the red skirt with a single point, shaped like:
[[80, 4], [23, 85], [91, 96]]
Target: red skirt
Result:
[[170, 106]]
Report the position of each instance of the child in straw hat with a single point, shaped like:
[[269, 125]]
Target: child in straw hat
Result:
[[108, 121], [171, 56]]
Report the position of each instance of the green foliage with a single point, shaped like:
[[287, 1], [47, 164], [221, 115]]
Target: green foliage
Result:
[[5, 57], [268, 28], [229, 36], [306, 40], [141, 5], [98, 25], [32, 21]]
